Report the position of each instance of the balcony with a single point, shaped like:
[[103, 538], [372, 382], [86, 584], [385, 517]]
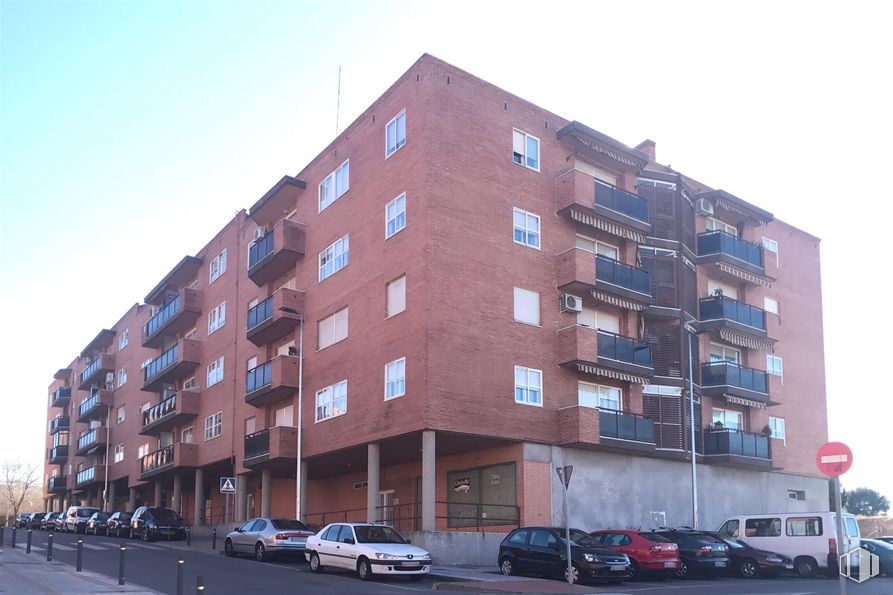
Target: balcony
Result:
[[272, 381], [737, 449], [60, 397], [578, 426], [57, 455], [273, 447], [610, 281], [625, 431], [56, 483], [735, 322], [172, 365], [277, 252], [604, 353], [168, 458], [734, 382], [275, 317], [59, 424], [175, 317], [95, 373], [90, 475], [94, 406], [92, 441], [172, 411], [721, 247], [602, 206]]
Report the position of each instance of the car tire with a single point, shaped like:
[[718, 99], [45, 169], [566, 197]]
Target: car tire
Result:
[[228, 548], [260, 553], [806, 567], [505, 567], [749, 569], [315, 564], [575, 570], [682, 571], [634, 572], [364, 569]]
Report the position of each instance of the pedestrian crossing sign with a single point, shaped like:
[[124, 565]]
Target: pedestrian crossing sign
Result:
[[227, 485]]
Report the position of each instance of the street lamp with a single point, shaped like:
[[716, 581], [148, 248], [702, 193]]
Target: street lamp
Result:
[[298, 465], [692, 332]]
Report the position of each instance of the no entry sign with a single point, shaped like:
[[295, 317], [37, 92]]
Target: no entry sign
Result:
[[834, 459]]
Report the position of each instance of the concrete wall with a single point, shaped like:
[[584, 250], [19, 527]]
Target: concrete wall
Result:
[[459, 548]]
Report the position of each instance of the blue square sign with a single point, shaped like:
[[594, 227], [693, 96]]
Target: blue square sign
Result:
[[227, 485]]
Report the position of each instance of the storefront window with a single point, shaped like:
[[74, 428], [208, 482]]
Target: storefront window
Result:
[[484, 496]]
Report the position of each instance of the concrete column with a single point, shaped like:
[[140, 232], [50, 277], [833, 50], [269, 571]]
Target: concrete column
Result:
[[176, 499], [158, 493], [241, 498], [111, 505], [266, 488], [373, 474], [303, 491], [46, 505], [428, 480], [199, 497], [131, 500]]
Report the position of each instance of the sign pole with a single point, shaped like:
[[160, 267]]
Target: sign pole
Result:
[[564, 474], [834, 459], [838, 505]]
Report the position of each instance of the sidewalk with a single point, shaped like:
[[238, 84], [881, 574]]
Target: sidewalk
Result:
[[23, 574]]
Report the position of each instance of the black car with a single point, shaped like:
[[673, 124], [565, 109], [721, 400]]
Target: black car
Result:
[[151, 522], [118, 524], [22, 520], [96, 524], [34, 520], [543, 551], [700, 553], [882, 550], [749, 562], [887, 539], [48, 523]]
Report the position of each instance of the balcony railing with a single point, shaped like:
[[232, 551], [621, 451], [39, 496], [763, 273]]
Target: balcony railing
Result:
[[57, 453], [59, 423], [259, 377], [161, 363], [625, 426], [736, 442], [176, 316], [60, 396], [257, 444], [92, 405], [721, 242], [260, 250], [157, 460], [164, 315], [260, 313], [621, 201], [87, 475], [92, 438], [177, 362], [276, 253], [721, 307], [56, 482], [731, 374], [623, 349], [90, 370], [163, 409], [95, 373], [622, 275], [272, 381]]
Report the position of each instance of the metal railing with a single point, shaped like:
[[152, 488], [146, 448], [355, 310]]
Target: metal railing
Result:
[[90, 370], [716, 307], [623, 275], [623, 202], [88, 474], [722, 242], [163, 315], [62, 393], [161, 363], [88, 403], [258, 377], [157, 412], [59, 423], [723, 441], [158, 459], [731, 374], [408, 516], [260, 249], [623, 349], [56, 482], [88, 438], [59, 451], [625, 426], [260, 313], [257, 444]]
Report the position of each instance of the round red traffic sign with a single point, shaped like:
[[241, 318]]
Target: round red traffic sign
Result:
[[834, 458]]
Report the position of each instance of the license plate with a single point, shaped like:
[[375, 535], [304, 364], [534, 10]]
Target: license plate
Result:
[[789, 566], [669, 565], [296, 539], [411, 564], [720, 564], [618, 568]]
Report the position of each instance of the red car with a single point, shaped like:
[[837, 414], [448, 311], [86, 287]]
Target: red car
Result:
[[649, 554]]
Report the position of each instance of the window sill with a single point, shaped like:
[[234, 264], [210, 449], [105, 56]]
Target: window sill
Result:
[[318, 421], [528, 323], [394, 398], [517, 402]]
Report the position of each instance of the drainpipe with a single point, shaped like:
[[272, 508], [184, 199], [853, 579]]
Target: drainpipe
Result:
[[298, 469]]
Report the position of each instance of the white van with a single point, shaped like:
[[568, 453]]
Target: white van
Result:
[[809, 538]]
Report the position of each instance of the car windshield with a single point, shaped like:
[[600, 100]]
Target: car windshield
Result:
[[581, 538], [85, 512], [735, 544], [101, 516], [288, 525], [367, 534], [165, 515], [124, 516]]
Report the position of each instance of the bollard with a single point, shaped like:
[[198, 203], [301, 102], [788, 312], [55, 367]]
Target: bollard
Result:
[[12, 541], [121, 565], [213, 538], [78, 562], [28, 543], [188, 536], [179, 577], [50, 547], [199, 585], [2, 528]]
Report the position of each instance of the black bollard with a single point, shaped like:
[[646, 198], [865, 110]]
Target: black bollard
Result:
[[50, 547], [179, 577], [28, 543], [12, 541], [78, 563], [121, 565], [199, 585], [2, 529], [213, 538], [188, 536]]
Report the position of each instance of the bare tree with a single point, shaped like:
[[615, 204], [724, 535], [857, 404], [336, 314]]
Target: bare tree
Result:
[[17, 480]]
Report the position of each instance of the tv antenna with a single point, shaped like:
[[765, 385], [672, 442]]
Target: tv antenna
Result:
[[338, 101]]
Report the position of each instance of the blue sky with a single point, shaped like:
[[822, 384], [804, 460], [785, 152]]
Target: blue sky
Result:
[[134, 130]]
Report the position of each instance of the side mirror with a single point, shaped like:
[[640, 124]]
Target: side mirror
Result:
[[349, 541], [237, 529]]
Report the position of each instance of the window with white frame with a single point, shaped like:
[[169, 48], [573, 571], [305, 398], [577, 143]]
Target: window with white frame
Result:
[[335, 257], [119, 414], [776, 424], [331, 401], [285, 416], [597, 247], [656, 184], [525, 149], [527, 306], [217, 317], [395, 379], [770, 305], [723, 353], [335, 184], [142, 451], [123, 339], [395, 134], [190, 335], [217, 266], [332, 328], [527, 228], [186, 436], [214, 425], [250, 425], [732, 420], [119, 453], [396, 294], [190, 384], [599, 396], [122, 377], [395, 215], [774, 365], [717, 225], [215, 371], [770, 245], [528, 386]]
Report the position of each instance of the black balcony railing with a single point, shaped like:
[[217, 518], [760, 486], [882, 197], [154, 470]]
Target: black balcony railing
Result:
[[161, 363], [85, 475], [88, 403], [261, 312], [735, 442], [158, 459], [60, 451], [260, 250], [716, 307], [57, 424], [257, 444], [90, 370], [622, 275], [624, 349], [721, 242], [165, 314], [625, 426], [621, 201], [61, 394], [259, 377], [731, 374], [163, 409], [89, 438], [56, 482]]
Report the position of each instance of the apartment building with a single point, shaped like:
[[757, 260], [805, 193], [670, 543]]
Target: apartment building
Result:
[[460, 293]]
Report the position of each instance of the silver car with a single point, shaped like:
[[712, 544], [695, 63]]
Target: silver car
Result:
[[264, 537]]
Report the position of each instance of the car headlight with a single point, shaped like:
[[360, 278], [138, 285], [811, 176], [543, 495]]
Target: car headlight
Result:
[[774, 560], [382, 556], [591, 558]]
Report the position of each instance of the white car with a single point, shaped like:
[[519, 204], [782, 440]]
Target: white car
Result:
[[368, 549]]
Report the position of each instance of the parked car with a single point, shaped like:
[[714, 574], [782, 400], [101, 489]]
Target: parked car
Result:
[[887, 539], [699, 552], [649, 554], [265, 537], [22, 521], [543, 550], [151, 522], [75, 519], [808, 538], [369, 549], [97, 524], [749, 562], [118, 524], [48, 523], [59, 521], [34, 520], [882, 550]]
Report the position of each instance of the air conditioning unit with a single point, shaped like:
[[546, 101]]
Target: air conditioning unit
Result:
[[259, 233], [571, 303], [704, 207]]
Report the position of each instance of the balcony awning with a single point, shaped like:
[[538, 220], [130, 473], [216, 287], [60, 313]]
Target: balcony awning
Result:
[[749, 277], [99, 343], [183, 272], [608, 226], [282, 197], [62, 373], [746, 402], [596, 143], [732, 203], [742, 340], [622, 376], [616, 301]]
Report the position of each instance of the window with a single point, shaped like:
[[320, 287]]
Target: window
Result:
[[331, 401], [119, 453], [595, 247], [519, 537], [762, 527], [771, 245], [214, 425], [142, 451], [334, 258], [776, 424], [657, 184], [717, 225], [123, 338], [774, 365], [715, 288], [395, 134], [527, 306], [217, 318], [527, 228], [796, 495], [217, 267], [335, 184], [599, 319], [186, 435], [332, 328], [215, 372], [395, 379], [528, 386], [525, 150], [119, 414], [285, 416], [731, 420], [396, 296], [190, 335], [602, 397], [122, 377], [722, 353], [803, 526], [770, 305], [395, 215], [730, 528], [473, 489], [190, 384], [852, 527]]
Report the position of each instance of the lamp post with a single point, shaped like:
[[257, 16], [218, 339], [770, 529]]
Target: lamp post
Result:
[[691, 422]]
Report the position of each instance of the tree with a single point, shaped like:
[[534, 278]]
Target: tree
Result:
[[866, 502], [17, 480]]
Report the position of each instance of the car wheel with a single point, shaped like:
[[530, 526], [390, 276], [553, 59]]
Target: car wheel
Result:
[[634, 572], [506, 568], [575, 575], [806, 567], [749, 569], [364, 569], [145, 535], [228, 548], [682, 571], [260, 553], [315, 566]]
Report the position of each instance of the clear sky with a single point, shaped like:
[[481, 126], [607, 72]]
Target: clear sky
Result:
[[132, 131]]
